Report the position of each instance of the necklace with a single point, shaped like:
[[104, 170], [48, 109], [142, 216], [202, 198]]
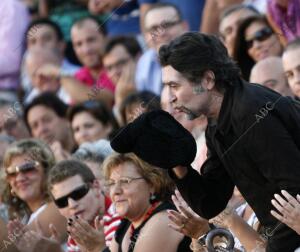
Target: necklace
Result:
[[146, 217]]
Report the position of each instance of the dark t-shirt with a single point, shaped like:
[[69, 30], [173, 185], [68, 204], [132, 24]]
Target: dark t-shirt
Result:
[[125, 224]]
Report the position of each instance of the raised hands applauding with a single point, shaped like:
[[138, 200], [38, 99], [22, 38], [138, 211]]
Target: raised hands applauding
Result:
[[288, 208]]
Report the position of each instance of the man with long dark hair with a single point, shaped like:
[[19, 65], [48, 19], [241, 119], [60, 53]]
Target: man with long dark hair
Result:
[[253, 136]]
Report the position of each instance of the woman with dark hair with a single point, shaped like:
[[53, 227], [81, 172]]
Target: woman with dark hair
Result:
[[91, 121], [255, 41], [137, 103]]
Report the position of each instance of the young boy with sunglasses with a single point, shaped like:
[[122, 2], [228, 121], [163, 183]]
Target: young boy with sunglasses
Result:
[[79, 198]]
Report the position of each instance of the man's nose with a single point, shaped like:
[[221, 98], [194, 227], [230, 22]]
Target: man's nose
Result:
[[83, 133], [72, 203], [42, 128], [172, 97], [85, 48]]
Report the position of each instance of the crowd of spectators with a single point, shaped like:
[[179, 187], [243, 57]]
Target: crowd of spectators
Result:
[[73, 72]]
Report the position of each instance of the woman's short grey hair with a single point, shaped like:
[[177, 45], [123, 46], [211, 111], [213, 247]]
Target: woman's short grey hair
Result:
[[94, 151]]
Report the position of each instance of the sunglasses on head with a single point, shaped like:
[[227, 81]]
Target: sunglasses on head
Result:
[[26, 168], [260, 35], [76, 194]]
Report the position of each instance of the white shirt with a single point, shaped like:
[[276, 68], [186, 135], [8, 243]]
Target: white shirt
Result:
[[36, 213], [61, 94]]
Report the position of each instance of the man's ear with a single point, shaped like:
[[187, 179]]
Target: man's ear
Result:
[[108, 129], [208, 80], [185, 26], [137, 57], [96, 184], [151, 187]]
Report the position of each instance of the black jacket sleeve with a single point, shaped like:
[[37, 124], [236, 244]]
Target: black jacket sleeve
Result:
[[275, 151], [207, 194]]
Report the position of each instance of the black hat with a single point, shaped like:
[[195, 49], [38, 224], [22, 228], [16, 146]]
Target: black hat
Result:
[[157, 138]]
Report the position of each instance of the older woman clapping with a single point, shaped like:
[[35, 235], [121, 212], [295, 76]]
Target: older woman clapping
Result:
[[141, 193]]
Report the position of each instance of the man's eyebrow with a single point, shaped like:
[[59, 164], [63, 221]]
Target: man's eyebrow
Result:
[[228, 28], [47, 33], [287, 71], [291, 69], [167, 83], [270, 80]]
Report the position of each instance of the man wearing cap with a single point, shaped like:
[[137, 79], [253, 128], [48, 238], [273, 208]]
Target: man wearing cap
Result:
[[253, 135]]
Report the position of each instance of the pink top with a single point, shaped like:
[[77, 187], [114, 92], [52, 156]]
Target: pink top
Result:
[[288, 20], [85, 76]]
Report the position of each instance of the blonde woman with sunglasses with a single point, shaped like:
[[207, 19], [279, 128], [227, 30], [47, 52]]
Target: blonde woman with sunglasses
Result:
[[26, 164]]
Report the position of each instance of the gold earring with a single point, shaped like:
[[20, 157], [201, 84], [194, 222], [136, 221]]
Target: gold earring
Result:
[[13, 193]]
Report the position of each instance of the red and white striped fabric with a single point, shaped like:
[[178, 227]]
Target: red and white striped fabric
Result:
[[111, 223]]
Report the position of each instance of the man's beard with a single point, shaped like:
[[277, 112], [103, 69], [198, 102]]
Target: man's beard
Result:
[[189, 115]]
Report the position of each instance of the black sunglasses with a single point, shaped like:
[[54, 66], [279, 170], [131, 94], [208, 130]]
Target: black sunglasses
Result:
[[77, 194], [260, 35], [12, 172]]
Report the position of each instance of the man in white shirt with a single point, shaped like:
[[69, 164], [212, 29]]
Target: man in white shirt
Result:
[[162, 23]]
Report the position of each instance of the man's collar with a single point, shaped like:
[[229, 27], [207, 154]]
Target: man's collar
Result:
[[224, 121]]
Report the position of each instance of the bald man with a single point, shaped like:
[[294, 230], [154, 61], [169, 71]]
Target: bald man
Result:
[[269, 72]]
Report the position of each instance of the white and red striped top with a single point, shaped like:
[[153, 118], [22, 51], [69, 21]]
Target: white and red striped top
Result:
[[111, 223]]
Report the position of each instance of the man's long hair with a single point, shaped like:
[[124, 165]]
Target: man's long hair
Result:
[[193, 53]]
